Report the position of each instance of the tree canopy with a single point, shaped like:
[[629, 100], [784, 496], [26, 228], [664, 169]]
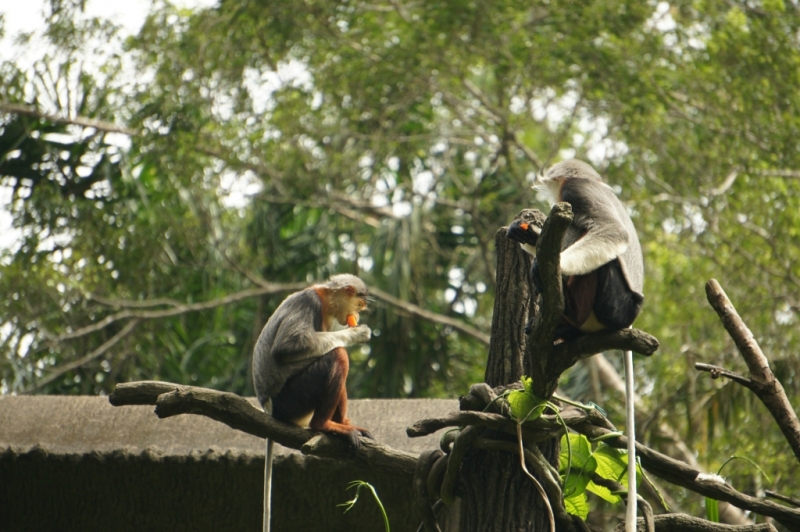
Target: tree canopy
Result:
[[168, 189]]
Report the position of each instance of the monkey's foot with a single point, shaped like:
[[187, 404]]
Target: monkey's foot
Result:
[[366, 434]]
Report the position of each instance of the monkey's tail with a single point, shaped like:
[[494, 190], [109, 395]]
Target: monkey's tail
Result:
[[268, 454], [630, 430]]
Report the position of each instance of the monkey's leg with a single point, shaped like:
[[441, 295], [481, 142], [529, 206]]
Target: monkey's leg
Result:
[[340, 414], [331, 407], [616, 305], [579, 298]]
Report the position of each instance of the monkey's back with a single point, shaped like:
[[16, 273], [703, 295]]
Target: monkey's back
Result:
[[583, 194], [283, 341]]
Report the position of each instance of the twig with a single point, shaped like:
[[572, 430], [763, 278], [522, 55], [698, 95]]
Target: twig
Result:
[[97, 353], [717, 372], [420, 312], [181, 308], [784, 498]]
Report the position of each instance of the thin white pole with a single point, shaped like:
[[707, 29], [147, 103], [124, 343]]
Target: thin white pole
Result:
[[630, 431]]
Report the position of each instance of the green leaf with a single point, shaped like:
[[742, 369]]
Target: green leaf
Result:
[[525, 405], [712, 510], [579, 477], [581, 452], [577, 505], [611, 462]]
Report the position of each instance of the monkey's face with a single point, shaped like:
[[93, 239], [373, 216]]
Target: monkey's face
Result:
[[550, 186], [352, 303]]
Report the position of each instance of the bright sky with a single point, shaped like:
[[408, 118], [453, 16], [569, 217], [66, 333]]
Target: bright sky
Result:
[[28, 16]]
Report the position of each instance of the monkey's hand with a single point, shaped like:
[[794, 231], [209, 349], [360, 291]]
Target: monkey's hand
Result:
[[359, 335], [526, 234]]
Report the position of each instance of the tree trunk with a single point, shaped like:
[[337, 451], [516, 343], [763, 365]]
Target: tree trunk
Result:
[[496, 495]]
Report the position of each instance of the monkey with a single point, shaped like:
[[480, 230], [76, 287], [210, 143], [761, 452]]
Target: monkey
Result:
[[601, 258], [300, 363], [602, 272]]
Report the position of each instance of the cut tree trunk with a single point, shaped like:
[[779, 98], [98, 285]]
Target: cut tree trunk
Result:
[[496, 495]]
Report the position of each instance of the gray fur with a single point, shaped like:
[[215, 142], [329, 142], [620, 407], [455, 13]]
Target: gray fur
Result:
[[293, 337], [598, 212]]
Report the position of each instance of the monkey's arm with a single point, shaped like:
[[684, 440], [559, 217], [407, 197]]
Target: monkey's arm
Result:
[[597, 246], [305, 343], [597, 234]]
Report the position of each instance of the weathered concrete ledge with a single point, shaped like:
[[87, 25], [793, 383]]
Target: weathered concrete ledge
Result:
[[77, 463]]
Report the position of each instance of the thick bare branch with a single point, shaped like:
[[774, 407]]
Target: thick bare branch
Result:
[[540, 342], [682, 475], [763, 382], [567, 354], [240, 414], [539, 429]]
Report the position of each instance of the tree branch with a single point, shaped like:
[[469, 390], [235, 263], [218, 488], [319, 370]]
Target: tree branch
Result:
[[415, 310], [763, 382], [540, 342], [97, 353], [687, 523], [181, 308], [567, 354], [99, 125], [789, 500], [682, 475], [539, 429], [238, 413], [717, 372]]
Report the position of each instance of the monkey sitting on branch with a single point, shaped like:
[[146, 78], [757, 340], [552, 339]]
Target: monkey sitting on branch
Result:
[[300, 363], [601, 259], [602, 272]]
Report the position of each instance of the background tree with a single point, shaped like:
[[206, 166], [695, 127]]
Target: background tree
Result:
[[250, 144]]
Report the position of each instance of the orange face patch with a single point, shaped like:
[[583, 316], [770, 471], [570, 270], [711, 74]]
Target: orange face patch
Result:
[[352, 320]]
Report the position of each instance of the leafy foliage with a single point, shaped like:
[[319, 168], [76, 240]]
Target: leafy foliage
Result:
[[288, 141], [579, 466]]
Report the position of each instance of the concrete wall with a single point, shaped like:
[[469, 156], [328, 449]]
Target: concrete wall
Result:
[[77, 463]]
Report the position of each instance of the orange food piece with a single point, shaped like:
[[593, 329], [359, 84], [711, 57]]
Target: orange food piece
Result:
[[352, 320], [524, 226]]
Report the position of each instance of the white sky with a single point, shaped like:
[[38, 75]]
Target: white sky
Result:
[[24, 16], [27, 15]]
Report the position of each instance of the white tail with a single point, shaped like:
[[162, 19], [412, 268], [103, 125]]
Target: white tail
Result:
[[630, 430]]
